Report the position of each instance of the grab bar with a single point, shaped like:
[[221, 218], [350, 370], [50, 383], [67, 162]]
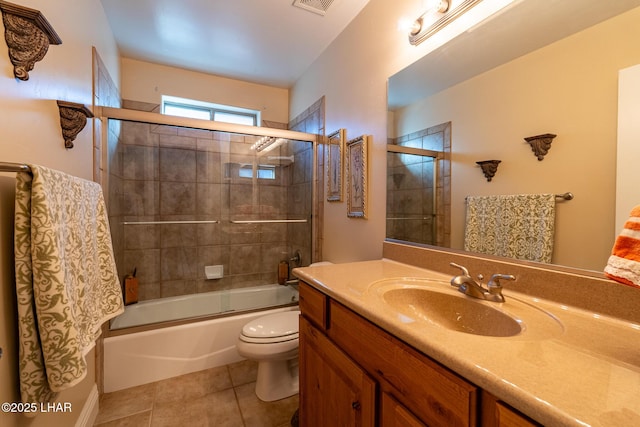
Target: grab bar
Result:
[[268, 221], [168, 222]]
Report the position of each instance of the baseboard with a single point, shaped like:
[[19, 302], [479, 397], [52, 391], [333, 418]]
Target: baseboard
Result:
[[90, 408]]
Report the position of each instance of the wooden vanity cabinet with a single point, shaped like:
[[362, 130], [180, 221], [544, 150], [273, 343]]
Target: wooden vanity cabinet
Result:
[[353, 373], [498, 414], [334, 391]]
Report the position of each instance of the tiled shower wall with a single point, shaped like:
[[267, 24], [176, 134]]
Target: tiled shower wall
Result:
[[312, 120], [168, 173], [411, 188]]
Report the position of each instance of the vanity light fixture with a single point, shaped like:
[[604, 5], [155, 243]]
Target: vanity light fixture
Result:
[[439, 14], [489, 168]]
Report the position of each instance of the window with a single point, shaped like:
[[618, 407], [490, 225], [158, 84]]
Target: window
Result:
[[193, 109], [246, 170]]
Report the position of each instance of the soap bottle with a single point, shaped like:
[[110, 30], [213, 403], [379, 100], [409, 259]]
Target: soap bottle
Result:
[[130, 292], [283, 272]]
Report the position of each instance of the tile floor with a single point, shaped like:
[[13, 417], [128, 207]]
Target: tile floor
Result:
[[220, 397]]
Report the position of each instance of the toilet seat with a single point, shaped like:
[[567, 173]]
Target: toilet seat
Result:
[[274, 328]]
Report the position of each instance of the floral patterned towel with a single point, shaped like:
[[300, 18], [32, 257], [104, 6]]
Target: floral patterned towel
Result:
[[66, 280], [515, 226]]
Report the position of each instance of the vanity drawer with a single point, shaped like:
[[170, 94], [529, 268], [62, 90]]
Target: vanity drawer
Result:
[[313, 305], [432, 392]]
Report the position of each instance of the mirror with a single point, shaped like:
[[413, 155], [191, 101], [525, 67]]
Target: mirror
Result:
[[538, 67]]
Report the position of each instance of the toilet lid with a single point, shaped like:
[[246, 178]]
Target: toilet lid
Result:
[[273, 325]]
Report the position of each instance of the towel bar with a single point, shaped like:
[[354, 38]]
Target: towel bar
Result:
[[566, 196], [14, 167]]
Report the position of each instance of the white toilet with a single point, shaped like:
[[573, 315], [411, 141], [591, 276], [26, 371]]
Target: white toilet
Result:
[[272, 341]]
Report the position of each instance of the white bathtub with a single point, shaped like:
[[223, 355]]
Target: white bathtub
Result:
[[195, 305], [143, 357]]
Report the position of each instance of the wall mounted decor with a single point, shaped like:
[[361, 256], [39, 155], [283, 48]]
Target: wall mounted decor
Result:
[[540, 144], [489, 168], [357, 177], [335, 154], [73, 118], [28, 35]]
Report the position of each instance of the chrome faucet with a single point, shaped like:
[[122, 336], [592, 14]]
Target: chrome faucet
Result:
[[468, 286]]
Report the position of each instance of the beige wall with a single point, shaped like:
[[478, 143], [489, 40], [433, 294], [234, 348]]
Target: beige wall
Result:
[[147, 82], [352, 74], [31, 133], [569, 88]]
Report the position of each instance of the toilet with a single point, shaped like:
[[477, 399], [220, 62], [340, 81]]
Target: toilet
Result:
[[272, 341]]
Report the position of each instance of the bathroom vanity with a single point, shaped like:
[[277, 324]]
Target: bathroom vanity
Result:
[[351, 369], [368, 357]]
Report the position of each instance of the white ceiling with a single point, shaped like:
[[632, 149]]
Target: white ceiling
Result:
[[272, 42], [263, 41]]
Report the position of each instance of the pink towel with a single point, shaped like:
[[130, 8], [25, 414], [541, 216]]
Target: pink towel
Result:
[[624, 263]]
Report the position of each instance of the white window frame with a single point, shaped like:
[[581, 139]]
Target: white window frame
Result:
[[211, 108]]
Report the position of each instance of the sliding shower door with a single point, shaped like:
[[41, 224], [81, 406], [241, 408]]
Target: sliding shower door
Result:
[[198, 212]]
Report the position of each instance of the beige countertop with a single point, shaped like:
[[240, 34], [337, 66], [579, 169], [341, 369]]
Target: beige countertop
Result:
[[569, 368]]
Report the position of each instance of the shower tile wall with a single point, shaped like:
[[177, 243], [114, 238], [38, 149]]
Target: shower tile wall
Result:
[[312, 120], [173, 174]]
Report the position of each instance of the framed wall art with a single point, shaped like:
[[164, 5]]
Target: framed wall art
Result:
[[334, 160], [356, 154]]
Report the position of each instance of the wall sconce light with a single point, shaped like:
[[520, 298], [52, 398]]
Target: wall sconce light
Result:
[[540, 144], [439, 14], [489, 168]]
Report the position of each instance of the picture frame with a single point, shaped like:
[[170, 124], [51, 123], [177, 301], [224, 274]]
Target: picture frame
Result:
[[334, 161], [356, 153]]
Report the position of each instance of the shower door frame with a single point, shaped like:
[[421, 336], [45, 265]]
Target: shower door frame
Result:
[[101, 165]]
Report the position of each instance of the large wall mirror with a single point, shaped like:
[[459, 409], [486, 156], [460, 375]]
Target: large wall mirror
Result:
[[540, 66]]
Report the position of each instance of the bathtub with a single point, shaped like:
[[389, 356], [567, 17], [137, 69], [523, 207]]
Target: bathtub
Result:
[[144, 357], [204, 304]]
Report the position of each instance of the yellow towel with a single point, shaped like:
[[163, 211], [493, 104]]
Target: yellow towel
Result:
[[624, 263], [66, 280]]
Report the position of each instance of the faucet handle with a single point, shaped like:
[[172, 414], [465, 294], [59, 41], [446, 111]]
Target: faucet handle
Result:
[[494, 283], [463, 268]]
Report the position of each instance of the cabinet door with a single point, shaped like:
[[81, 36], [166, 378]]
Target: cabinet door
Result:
[[393, 414], [334, 391], [436, 395], [506, 417]]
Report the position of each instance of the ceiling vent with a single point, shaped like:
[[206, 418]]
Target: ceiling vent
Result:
[[316, 6]]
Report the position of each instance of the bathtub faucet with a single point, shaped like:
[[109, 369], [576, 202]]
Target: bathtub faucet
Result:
[[296, 258]]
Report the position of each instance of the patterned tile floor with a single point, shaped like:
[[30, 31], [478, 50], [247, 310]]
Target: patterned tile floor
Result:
[[220, 397]]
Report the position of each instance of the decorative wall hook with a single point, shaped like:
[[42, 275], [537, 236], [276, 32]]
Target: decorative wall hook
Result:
[[489, 168], [540, 144], [28, 35], [73, 118]]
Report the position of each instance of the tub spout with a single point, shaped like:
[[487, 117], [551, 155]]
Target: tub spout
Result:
[[296, 258]]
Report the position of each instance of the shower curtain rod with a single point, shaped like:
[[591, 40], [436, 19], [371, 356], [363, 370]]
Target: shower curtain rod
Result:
[[14, 167]]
